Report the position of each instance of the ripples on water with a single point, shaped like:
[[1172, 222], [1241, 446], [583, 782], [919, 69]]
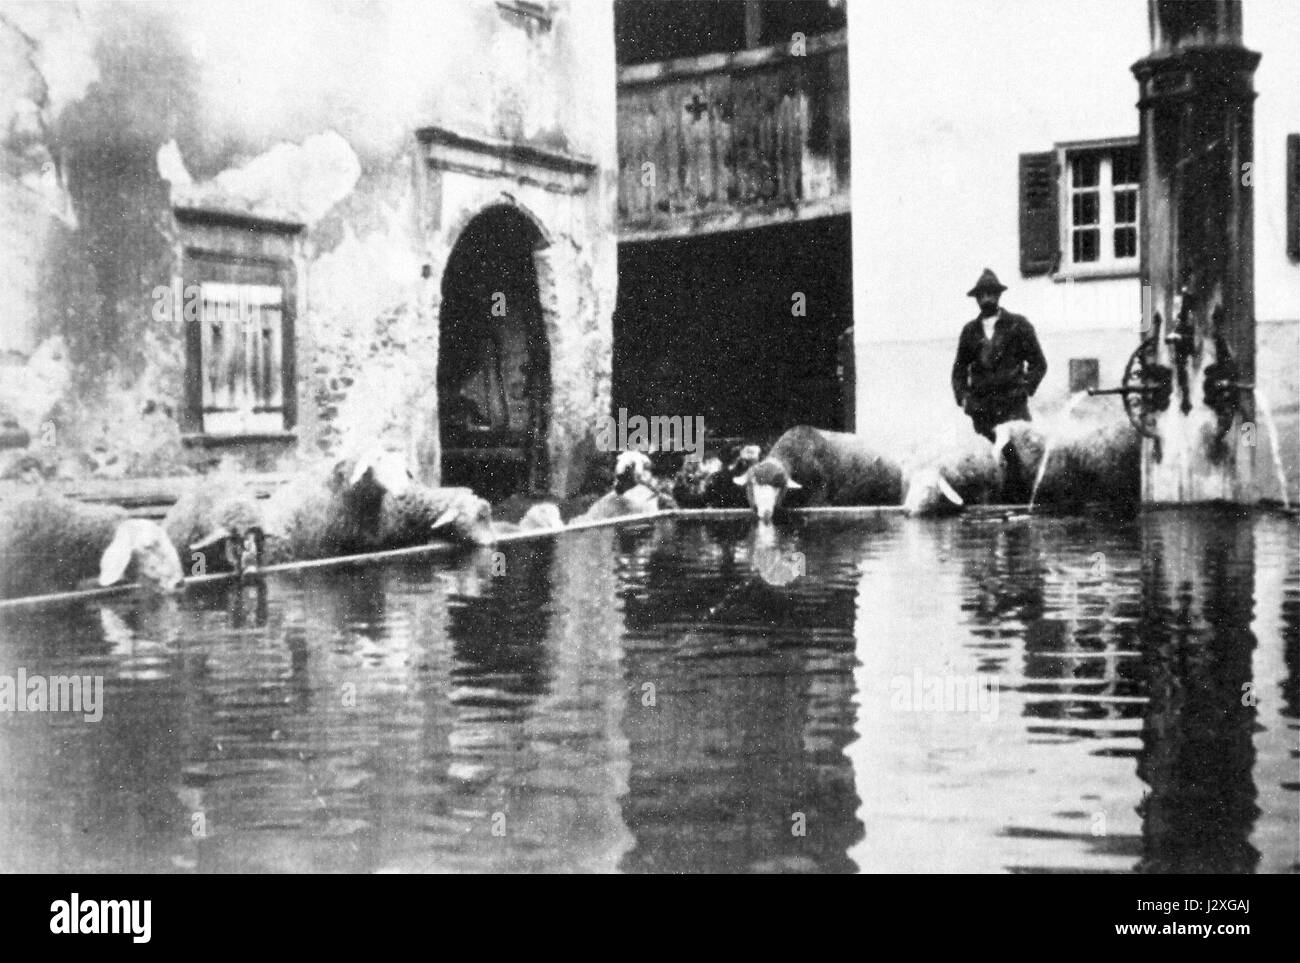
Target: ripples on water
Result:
[[640, 700]]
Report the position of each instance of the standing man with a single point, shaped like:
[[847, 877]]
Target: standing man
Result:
[[999, 363]]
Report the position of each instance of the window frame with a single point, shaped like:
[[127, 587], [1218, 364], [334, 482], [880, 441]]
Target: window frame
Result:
[[193, 270], [214, 233], [1107, 265]]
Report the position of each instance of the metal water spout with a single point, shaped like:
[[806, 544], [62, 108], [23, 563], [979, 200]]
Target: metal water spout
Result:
[[1181, 340], [1146, 386]]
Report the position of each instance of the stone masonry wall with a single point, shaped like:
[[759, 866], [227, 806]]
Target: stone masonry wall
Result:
[[113, 114]]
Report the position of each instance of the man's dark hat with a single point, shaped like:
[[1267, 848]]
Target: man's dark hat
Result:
[[988, 282]]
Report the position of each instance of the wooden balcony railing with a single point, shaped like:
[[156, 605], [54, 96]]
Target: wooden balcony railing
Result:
[[733, 141]]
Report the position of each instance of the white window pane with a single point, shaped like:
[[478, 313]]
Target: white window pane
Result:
[[241, 356]]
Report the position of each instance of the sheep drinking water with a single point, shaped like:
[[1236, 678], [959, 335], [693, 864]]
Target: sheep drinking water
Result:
[[635, 491], [826, 468], [1065, 460], [953, 472], [53, 544], [217, 526], [356, 505]]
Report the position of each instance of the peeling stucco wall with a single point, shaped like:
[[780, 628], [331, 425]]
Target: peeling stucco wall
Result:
[[111, 113]]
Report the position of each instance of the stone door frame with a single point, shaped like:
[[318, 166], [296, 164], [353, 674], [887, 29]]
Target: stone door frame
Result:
[[460, 177]]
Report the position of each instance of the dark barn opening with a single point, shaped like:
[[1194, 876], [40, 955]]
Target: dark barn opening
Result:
[[494, 367], [706, 326], [648, 30]]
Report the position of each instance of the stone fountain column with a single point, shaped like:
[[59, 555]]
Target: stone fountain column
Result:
[[1197, 223]]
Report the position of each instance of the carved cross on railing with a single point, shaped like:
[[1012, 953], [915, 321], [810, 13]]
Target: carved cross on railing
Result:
[[697, 107]]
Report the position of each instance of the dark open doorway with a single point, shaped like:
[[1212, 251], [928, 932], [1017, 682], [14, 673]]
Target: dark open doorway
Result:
[[494, 386], [744, 328]]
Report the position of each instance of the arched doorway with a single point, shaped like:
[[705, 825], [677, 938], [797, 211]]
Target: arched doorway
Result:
[[494, 365]]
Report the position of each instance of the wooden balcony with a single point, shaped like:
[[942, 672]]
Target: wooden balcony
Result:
[[727, 142]]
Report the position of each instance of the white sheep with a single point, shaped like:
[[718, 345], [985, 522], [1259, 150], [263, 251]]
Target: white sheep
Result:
[[1066, 459], [332, 510], [634, 492], [956, 471], [49, 543], [825, 468], [419, 514], [358, 504], [217, 525], [407, 512], [929, 493], [542, 517], [1078, 457]]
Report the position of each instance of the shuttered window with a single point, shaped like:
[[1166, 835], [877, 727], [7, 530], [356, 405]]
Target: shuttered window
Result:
[[241, 353], [1039, 236], [1293, 196], [240, 307], [1080, 210]]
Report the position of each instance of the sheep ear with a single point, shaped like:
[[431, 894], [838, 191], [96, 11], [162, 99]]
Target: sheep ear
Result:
[[216, 537], [949, 492], [363, 466], [116, 558], [446, 518], [792, 485]]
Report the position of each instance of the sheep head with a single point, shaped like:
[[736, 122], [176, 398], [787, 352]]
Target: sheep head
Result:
[[929, 493], [766, 484], [542, 517], [362, 482], [631, 469], [382, 468], [692, 481], [142, 548], [240, 548], [467, 518]]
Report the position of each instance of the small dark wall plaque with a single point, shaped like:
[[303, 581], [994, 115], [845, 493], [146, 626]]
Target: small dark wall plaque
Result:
[[12, 436], [1083, 374]]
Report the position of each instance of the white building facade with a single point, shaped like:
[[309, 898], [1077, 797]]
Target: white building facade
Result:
[[1004, 135]]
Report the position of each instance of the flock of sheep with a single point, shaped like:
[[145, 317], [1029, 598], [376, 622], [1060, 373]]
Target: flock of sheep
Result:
[[372, 503], [357, 505], [1073, 462]]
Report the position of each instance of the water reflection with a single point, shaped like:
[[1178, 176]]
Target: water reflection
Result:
[[1008, 579], [1280, 717], [652, 698], [1197, 754], [739, 704], [499, 631]]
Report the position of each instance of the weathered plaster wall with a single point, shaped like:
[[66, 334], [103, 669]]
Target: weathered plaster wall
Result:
[[297, 110]]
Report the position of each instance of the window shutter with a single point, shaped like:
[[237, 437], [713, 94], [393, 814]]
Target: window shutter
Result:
[[1293, 196], [1039, 226]]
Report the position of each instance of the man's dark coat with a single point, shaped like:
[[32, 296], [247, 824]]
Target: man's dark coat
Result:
[[993, 380]]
